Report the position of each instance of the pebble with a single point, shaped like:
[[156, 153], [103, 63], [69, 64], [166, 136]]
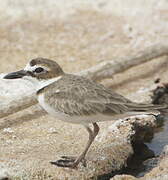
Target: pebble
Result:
[[53, 131], [8, 130]]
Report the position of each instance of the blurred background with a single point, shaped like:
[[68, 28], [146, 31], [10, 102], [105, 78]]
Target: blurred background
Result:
[[78, 33]]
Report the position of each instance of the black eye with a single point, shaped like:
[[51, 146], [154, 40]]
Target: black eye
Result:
[[39, 70]]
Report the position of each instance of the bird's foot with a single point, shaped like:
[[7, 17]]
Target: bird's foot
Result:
[[68, 161], [71, 158]]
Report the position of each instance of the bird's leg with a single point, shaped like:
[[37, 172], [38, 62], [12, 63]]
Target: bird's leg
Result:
[[92, 135], [73, 162]]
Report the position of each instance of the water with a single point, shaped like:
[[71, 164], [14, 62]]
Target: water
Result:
[[160, 138]]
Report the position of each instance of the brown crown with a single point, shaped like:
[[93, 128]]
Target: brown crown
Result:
[[54, 69]]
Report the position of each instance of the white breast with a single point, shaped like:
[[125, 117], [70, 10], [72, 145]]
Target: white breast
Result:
[[50, 110]]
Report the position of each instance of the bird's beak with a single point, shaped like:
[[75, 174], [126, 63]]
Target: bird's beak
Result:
[[16, 75]]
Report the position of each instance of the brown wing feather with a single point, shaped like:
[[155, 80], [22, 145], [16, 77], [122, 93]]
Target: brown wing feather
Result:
[[79, 96]]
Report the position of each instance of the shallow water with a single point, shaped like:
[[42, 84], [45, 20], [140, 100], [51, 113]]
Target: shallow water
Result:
[[160, 138]]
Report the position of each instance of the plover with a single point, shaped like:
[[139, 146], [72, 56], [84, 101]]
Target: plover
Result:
[[75, 99]]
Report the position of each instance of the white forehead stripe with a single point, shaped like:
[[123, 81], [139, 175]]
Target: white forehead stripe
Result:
[[32, 68]]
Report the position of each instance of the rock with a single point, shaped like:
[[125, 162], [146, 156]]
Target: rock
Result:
[[143, 151], [160, 95], [160, 172], [158, 166], [123, 177], [53, 130], [165, 151], [149, 165], [4, 175], [8, 130]]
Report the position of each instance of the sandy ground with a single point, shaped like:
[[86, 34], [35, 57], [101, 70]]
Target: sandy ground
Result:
[[76, 40]]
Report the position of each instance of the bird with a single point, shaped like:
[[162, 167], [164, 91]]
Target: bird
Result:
[[76, 99]]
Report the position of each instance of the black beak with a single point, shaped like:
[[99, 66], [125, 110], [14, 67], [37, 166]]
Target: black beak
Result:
[[16, 75]]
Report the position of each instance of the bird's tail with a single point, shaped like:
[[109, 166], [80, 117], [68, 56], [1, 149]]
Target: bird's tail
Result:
[[145, 107]]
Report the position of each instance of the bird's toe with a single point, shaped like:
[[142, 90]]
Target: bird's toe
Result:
[[65, 163]]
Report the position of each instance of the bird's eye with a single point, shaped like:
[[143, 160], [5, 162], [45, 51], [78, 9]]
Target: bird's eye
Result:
[[39, 70]]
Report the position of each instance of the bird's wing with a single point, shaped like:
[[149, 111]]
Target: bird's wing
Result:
[[76, 95], [82, 100]]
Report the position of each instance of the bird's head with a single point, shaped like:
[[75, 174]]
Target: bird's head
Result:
[[38, 70]]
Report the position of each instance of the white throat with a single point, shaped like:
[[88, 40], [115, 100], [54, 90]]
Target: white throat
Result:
[[39, 84]]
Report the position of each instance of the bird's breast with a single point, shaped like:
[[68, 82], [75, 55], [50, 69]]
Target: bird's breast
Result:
[[50, 108]]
